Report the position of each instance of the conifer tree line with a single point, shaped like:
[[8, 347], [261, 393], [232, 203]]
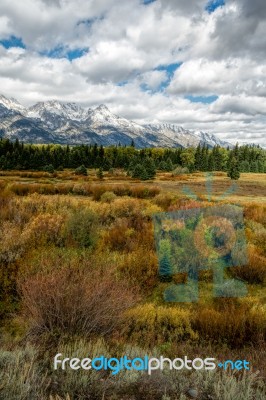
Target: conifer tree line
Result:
[[139, 163]]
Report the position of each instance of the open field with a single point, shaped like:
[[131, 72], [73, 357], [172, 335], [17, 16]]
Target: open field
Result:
[[250, 187], [79, 275]]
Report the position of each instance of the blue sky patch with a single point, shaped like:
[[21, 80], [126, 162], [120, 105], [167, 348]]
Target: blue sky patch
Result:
[[145, 88], [62, 52], [122, 83], [13, 41], [148, 1], [170, 68], [212, 5], [202, 99], [76, 53]]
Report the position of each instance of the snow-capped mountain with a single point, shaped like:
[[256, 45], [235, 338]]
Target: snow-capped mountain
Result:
[[12, 104], [68, 110], [68, 123]]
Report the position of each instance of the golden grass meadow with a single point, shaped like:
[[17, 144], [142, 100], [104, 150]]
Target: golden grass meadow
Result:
[[79, 275]]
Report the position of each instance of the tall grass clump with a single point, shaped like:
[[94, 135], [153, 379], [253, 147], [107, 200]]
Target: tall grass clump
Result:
[[21, 377]]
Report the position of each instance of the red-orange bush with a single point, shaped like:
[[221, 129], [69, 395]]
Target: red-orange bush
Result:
[[75, 302]]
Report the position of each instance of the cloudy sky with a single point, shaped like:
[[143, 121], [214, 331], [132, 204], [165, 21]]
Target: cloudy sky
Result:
[[197, 63]]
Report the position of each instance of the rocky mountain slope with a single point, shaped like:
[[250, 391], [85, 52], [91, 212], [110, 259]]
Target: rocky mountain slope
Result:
[[68, 123]]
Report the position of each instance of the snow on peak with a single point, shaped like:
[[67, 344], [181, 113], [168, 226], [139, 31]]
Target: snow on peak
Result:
[[64, 118], [67, 110], [102, 107], [12, 104]]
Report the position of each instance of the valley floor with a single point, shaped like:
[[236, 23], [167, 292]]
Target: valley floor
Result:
[[79, 275]]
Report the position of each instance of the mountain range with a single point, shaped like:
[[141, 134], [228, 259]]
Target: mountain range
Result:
[[68, 123]]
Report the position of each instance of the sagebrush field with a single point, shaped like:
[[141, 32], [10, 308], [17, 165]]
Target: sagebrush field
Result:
[[79, 275]]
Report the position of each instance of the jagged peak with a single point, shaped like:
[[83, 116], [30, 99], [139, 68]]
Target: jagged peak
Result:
[[56, 116], [67, 110], [11, 104], [102, 107]]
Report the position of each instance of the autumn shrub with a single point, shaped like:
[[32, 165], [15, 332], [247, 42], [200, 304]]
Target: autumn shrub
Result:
[[74, 301], [44, 229], [7, 209], [31, 174], [236, 324], [152, 325], [2, 185], [20, 189], [256, 234], [8, 294], [255, 270], [94, 190], [144, 192], [81, 227], [82, 189], [71, 257], [140, 267], [131, 228], [98, 191], [11, 244], [108, 197], [186, 204], [164, 200], [126, 207], [120, 236], [256, 212], [42, 188], [138, 191], [12, 248], [63, 188], [119, 190], [24, 189], [5, 194]]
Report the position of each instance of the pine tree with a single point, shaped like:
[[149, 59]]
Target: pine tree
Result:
[[49, 168], [169, 165], [163, 166], [198, 158], [211, 163], [82, 170], [144, 176], [244, 166], [261, 166], [205, 157], [150, 168], [233, 171], [165, 269], [140, 172], [100, 173], [218, 159], [254, 166]]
